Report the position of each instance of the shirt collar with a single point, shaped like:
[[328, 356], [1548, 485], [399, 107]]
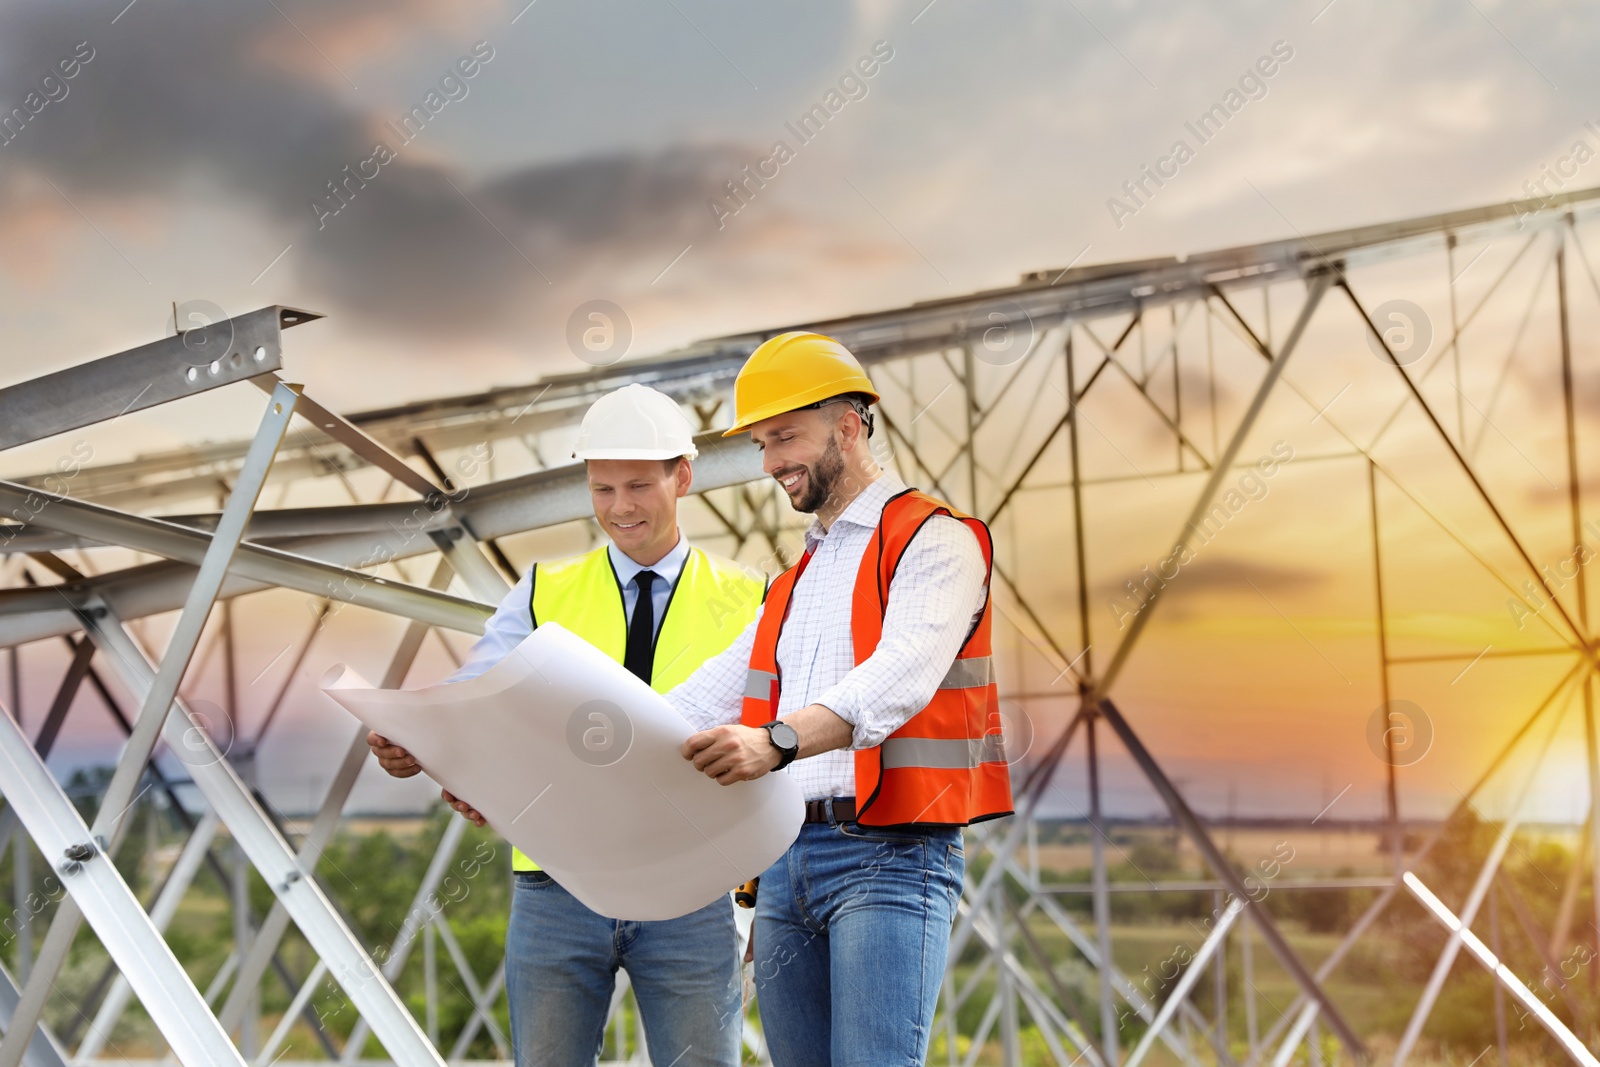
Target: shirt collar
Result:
[[865, 510], [667, 567]]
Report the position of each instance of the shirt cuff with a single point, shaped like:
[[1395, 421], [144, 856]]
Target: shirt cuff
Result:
[[843, 700]]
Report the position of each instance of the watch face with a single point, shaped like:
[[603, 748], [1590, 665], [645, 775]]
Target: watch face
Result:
[[784, 736]]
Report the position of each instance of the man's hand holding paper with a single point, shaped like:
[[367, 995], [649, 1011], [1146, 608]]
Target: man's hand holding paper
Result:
[[400, 763], [578, 763]]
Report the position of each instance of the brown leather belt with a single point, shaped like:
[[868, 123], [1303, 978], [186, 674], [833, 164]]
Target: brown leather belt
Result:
[[831, 810]]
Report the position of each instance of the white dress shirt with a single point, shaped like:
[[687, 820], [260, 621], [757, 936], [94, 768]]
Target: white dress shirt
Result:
[[935, 597], [512, 621]]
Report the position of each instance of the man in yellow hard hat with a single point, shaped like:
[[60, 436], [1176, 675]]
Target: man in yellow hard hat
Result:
[[659, 607], [866, 674]]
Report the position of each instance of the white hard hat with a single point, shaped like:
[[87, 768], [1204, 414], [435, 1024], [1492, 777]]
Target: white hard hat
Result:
[[635, 422]]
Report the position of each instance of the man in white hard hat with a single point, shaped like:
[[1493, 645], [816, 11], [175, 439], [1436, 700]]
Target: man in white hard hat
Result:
[[660, 608]]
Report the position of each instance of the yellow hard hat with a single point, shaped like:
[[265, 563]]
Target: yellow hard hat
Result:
[[791, 371]]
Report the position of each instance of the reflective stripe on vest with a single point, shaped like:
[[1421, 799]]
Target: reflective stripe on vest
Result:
[[947, 763], [974, 673], [963, 674], [758, 684], [941, 753], [711, 604]]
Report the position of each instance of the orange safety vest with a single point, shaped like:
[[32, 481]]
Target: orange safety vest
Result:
[[947, 764]]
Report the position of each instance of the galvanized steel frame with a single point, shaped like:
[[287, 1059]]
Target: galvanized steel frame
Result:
[[320, 551]]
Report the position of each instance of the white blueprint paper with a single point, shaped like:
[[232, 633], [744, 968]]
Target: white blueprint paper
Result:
[[575, 761]]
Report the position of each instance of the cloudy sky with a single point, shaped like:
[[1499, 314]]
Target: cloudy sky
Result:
[[583, 157], [199, 151]]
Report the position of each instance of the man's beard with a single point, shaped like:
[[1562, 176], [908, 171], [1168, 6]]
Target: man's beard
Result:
[[822, 479]]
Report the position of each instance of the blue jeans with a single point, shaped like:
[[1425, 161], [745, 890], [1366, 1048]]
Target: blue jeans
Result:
[[852, 930], [561, 967]]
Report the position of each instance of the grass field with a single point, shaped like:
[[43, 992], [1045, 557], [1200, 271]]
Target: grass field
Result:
[[373, 867]]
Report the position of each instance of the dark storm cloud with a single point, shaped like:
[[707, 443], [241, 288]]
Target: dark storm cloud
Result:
[[172, 89], [180, 89], [1225, 575], [1234, 574], [418, 241]]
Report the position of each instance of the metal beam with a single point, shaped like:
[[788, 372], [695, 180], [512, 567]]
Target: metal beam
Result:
[[1088, 293], [352, 437], [1319, 284], [1501, 973], [193, 361], [1505, 887], [1087, 948], [268, 566], [1225, 871], [1191, 975], [1466, 468], [1475, 898], [272, 856], [1044, 771], [44, 1050], [50, 729], [161, 915], [1110, 1049], [424, 907], [480, 997], [105, 981], [1047, 298], [326, 822], [1591, 730], [85, 868], [120, 791], [491, 993], [1037, 1001], [318, 565], [1085, 944], [1368, 917]]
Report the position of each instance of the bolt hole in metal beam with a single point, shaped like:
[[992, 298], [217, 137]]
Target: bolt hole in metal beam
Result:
[[143, 377]]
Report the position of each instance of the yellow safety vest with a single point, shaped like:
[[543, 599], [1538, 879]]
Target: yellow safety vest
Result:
[[712, 602]]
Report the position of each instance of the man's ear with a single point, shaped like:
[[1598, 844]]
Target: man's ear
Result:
[[851, 429], [683, 477]]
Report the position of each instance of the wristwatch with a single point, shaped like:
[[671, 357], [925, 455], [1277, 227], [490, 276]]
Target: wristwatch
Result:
[[784, 739]]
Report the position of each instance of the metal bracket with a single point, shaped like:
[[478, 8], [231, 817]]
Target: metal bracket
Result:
[[233, 350]]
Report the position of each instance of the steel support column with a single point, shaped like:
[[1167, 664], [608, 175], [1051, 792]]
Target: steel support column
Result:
[[120, 792], [271, 855], [85, 868]]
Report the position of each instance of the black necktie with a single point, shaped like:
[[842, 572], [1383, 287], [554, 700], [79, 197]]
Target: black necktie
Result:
[[642, 629]]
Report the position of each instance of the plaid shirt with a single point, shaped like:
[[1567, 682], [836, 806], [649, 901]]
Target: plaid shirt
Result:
[[935, 598]]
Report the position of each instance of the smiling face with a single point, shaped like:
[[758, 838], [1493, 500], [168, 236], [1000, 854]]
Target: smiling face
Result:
[[636, 503], [805, 452]]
